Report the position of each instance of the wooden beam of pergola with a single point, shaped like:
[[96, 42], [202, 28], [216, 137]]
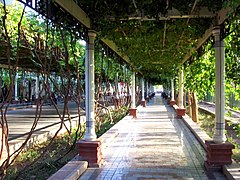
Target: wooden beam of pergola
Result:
[[173, 13], [221, 16], [203, 12], [71, 7]]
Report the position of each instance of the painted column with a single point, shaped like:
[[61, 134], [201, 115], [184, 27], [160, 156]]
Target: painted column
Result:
[[219, 135], [172, 102], [51, 86], [219, 152], [133, 105], [37, 87], [89, 88], [180, 94], [180, 110], [143, 99], [90, 146], [143, 102], [172, 90], [133, 109], [117, 99], [147, 89], [16, 87]]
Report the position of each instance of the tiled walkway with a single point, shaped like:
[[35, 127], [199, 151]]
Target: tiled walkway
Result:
[[156, 145]]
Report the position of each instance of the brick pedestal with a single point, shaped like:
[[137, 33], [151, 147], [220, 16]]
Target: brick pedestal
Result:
[[90, 151], [218, 155], [180, 112], [172, 102], [133, 112], [143, 103]]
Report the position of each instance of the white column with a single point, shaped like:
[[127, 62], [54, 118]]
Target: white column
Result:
[[133, 105], [116, 86], [143, 99], [51, 85], [147, 89], [16, 87], [180, 94], [89, 88], [37, 87], [172, 90], [219, 135]]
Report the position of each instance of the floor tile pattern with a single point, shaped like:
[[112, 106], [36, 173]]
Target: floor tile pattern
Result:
[[156, 145]]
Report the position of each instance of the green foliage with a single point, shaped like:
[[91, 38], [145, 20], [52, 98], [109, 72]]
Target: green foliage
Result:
[[5, 77], [154, 47], [47, 164], [117, 116], [37, 37], [236, 128], [200, 74], [207, 123]]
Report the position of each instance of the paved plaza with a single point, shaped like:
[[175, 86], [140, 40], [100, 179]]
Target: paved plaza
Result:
[[156, 145]]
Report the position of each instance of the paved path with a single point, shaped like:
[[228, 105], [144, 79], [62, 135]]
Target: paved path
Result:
[[20, 121], [156, 145]]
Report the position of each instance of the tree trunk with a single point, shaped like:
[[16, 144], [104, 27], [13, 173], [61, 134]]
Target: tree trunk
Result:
[[195, 108], [190, 104], [184, 99]]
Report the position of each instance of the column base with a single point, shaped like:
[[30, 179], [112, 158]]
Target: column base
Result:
[[180, 112], [143, 103], [172, 102], [90, 151], [133, 112], [218, 155]]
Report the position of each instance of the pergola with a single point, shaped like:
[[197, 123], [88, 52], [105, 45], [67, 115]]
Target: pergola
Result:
[[154, 37]]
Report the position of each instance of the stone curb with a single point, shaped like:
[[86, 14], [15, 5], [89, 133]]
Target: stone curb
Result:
[[75, 168], [71, 171], [231, 171]]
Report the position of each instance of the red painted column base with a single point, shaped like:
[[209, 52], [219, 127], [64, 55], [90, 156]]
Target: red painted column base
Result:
[[218, 155], [172, 102], [133, 112], [143, 103], [90, 151], [180, 112]]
